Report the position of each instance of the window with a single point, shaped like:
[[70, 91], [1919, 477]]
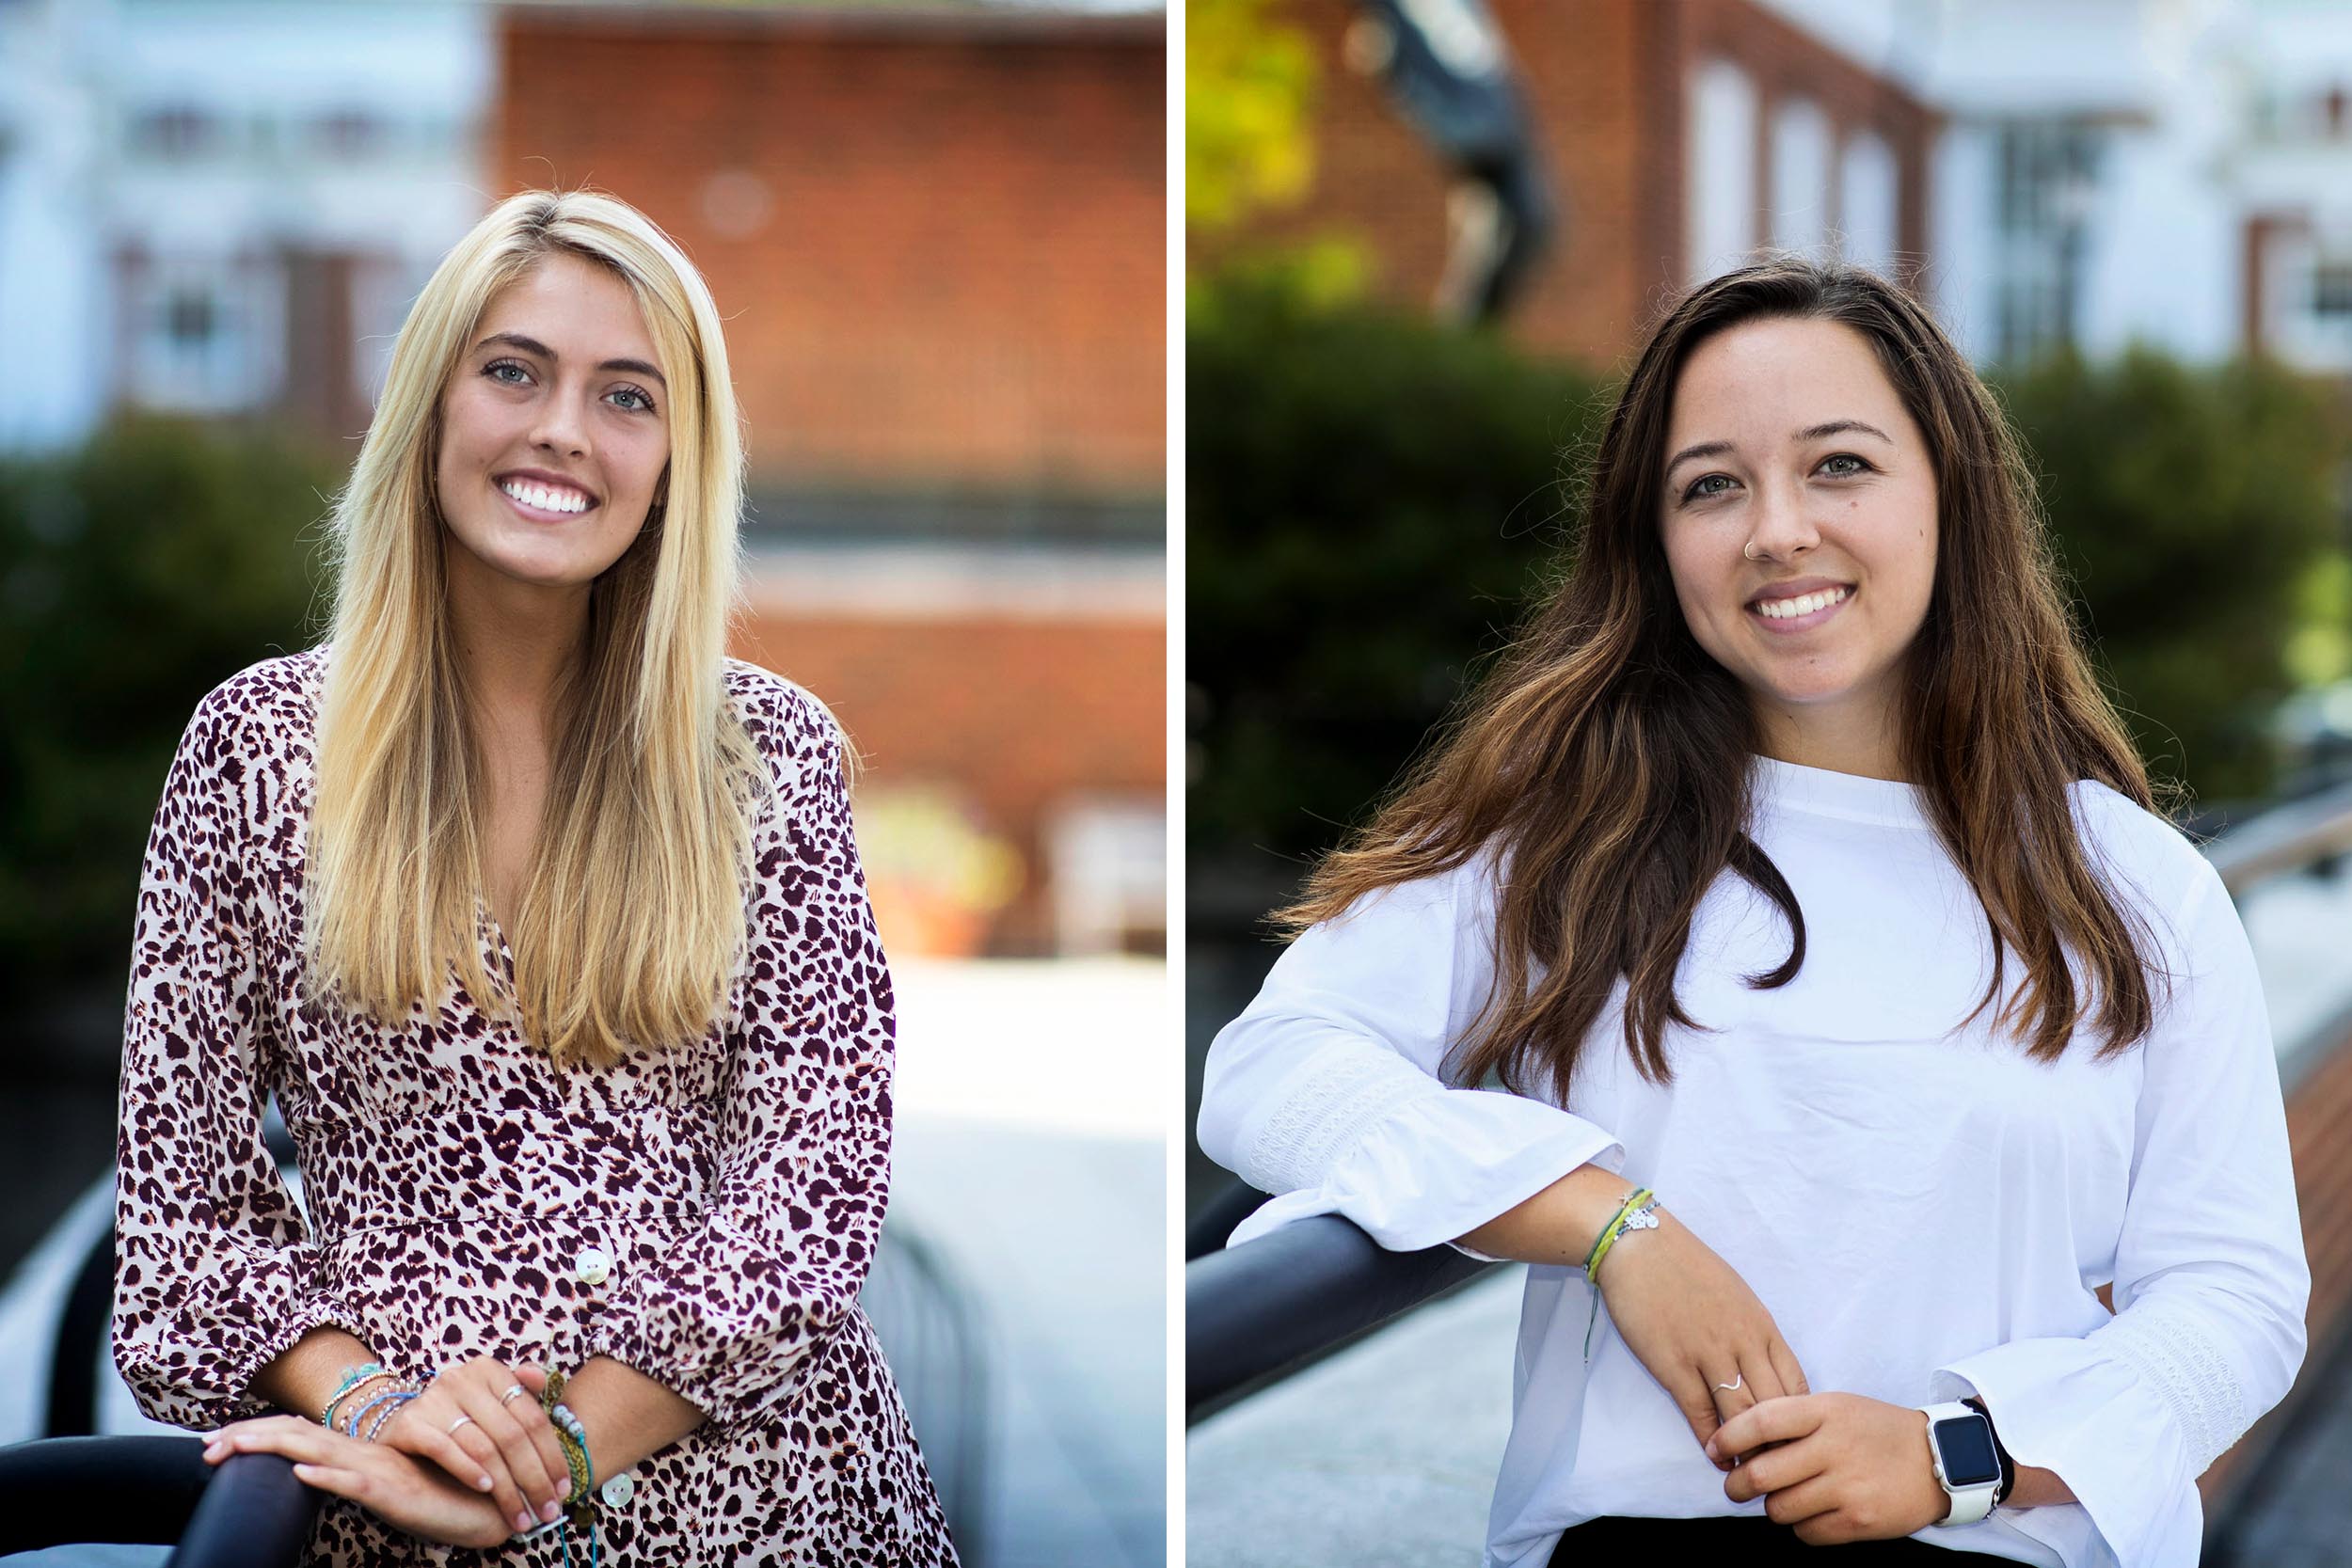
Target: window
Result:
[[349, 133], [1107, 857], [204, 333], [2332, 292], [177, 133], [1720, 225], [1869, 202], [2048, 174], [1800, 174]]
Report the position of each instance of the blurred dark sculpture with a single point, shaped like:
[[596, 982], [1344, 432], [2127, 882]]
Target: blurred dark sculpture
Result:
[[1447, 70]]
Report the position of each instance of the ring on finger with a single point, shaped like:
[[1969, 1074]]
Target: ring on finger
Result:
[[460, 1422], [1734, 1383], [509, 1394]]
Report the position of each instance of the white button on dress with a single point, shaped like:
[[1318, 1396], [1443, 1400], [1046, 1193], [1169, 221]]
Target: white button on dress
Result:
[[594, 1266], [618, 1490]]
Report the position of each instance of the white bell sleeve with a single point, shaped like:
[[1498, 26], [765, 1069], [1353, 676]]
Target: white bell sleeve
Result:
[[1327, 1092], [214, 1275], [731, 1315], [2211, 1281]]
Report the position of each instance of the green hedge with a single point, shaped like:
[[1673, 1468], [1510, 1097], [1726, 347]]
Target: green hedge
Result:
[[136, 575], [1367, 498], [1372, 497], [2192, 507]]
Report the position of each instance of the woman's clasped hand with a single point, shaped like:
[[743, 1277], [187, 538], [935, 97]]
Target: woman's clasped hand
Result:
[[1838, 1467], [397, 1488], [495, 1476]]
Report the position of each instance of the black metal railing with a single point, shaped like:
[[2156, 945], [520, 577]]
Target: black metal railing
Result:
[[1262, 1311], [249, 1511]]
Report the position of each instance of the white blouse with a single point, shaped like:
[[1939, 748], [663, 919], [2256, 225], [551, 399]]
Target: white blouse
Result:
[[1925, 1211]]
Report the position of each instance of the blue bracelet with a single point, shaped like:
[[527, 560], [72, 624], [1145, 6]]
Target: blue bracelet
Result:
[[353, 1376], [398, 1399], [353, 1430]]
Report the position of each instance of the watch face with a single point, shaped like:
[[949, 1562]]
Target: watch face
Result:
[[1966, 1446]]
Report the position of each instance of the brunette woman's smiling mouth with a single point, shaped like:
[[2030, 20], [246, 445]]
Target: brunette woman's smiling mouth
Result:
[[1799, 604], [544, 496]]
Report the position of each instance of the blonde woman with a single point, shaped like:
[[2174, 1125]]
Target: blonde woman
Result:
[[544, 920]]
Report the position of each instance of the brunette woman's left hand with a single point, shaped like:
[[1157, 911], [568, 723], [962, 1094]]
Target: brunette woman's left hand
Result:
[[1838, 1467], [397, 1487]]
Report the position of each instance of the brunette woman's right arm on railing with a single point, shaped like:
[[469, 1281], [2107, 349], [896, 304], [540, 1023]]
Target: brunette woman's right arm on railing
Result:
[[216, 1279], [1326, 1090]]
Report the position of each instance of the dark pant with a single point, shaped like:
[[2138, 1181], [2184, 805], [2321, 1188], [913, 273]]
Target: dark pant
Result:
[[1601, 1542]]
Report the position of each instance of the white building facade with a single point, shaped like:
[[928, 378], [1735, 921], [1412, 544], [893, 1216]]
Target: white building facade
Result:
[[223, 208]]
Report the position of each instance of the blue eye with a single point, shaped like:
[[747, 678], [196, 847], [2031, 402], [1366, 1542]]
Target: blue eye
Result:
[[1694, 493], [1859, 465], [495, 366], [644, 405]]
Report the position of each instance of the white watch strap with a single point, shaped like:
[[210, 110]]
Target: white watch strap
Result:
[[1969, 1503]]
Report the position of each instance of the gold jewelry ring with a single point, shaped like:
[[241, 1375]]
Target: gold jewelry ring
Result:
[[460, 1422], [509, 1395], [1748, 549]]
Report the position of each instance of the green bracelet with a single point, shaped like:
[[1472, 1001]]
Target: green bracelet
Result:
[[1609, 1232]]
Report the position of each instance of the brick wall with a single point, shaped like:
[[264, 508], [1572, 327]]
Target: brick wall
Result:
[[938, 242], [1604, 82], [2319, 1133], [939, 245], [1022, 713]]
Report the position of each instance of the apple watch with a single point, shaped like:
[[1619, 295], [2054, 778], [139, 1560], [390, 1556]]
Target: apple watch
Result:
[[1959, 1438]]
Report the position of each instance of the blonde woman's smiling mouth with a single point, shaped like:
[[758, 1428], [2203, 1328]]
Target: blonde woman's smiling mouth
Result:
[[1799, 606], [544, 498]]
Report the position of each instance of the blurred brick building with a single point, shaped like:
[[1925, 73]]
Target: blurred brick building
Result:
[[1673, 133], [938, 238]]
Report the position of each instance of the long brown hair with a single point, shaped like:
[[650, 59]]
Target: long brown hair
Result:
[[1608, 757]]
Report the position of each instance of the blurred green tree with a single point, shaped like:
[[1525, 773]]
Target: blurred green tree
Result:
[[1372, 499], [2199, 511], [1249, 82], [1369, 499], [136, 575]]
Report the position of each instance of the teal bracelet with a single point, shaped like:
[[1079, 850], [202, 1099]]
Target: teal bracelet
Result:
[[581, 1499], [353, 1377]]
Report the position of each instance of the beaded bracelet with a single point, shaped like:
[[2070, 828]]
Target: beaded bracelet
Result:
[[398, 1399], [352, 1378], [581, 1507], [359, 1415], [574, 1439]]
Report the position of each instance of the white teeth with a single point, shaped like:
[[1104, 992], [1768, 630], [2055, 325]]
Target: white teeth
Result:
[[1804, 603], [544, 498]]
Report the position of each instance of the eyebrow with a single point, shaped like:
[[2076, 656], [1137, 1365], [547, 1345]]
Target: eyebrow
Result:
[[1811, 433], [532, 345]]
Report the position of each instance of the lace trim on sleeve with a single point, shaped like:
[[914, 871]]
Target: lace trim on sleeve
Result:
[[2167, 1345], [1320, 1125]]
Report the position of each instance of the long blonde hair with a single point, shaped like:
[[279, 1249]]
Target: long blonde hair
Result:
[[632, 920]]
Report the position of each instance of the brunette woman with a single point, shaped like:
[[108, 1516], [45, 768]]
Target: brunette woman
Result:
[[1855, 1015]]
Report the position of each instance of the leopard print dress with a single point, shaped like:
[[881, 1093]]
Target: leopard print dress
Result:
[[705, 1215]]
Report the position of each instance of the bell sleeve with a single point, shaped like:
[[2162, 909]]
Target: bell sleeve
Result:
[[214, 1275], [1328, 1091], [728, 1317], [2211, 1281]]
